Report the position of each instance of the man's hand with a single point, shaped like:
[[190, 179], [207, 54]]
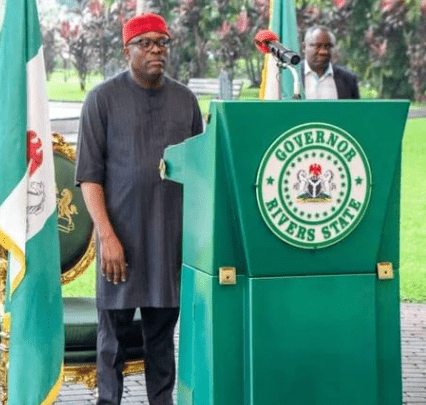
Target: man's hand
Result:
[[113, 262]]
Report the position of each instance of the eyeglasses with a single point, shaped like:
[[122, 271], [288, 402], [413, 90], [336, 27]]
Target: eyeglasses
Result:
[[146, 44]]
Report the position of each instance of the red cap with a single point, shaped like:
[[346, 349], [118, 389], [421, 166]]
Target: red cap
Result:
[[146, 22], [262, 38]]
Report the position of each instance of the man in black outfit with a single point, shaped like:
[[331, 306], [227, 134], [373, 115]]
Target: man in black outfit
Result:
[[320, 78], [126, 124]]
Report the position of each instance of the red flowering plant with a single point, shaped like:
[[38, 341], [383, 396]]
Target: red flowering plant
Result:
[[377, 44], [96, 8], [396, 40], [262, 9], [307, 15], [103, 26], [75, 47], [190, 31], [50, 48], [233, 40], [91, 36]]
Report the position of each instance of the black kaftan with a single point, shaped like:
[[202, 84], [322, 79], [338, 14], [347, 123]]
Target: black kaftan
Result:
[[123, 132]]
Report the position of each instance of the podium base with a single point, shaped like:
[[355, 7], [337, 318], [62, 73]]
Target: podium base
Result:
[[289, 340]]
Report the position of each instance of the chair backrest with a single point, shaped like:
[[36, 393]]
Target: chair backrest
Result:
[[76, 234]]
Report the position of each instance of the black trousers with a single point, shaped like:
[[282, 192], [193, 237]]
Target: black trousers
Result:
[[158, 326]]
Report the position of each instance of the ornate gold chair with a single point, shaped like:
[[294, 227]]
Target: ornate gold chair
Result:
[[77, 244]]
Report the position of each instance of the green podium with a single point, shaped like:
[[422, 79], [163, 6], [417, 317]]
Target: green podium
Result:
[[290, 278]]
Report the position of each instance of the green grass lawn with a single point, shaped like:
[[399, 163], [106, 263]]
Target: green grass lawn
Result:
[[84, 286], [60, 90], [413, 206], [413, 213]]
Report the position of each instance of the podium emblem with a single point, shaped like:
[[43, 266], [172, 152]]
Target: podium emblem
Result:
[[313, 185]]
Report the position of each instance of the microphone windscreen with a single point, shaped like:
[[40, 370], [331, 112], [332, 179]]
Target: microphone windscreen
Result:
[[262, 38]]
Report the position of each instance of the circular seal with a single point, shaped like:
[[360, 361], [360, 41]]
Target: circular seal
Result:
[[313, 185]]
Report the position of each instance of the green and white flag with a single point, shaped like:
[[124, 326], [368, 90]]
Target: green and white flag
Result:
[[28, 219], [282, 21]]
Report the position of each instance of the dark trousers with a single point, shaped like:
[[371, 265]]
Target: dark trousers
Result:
[[158, 326]]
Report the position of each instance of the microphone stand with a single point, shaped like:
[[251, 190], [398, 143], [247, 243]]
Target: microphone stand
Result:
[[296, 81]]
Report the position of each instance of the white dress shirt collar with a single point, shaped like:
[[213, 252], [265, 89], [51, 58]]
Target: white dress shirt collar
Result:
[[322, 87]]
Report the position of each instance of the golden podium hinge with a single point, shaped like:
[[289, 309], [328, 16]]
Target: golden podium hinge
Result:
[[227, 275], [385, 270]]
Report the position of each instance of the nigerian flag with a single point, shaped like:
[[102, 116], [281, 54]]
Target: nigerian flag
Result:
[[282, 21], [28, 220]]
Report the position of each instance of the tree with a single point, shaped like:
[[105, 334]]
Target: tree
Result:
[[190, 29], [388, 49], [234, 40], [103, 25], [218, 32], [416, 51], [50, 49], [164, 7], [225, 44], [77, 45]]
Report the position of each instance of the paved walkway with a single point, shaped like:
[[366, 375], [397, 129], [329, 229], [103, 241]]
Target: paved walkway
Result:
[[413, 328], [60, 110], [413, 341]]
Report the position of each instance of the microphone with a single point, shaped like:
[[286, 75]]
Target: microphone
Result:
[[267, 42]]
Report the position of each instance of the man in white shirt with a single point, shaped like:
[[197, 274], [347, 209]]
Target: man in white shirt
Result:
[[321, 79]]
